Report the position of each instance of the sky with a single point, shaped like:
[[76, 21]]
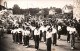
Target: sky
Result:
[[39, 3]]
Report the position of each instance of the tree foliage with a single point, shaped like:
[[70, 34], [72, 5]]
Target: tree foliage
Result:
[[16, 9], [58, 10]]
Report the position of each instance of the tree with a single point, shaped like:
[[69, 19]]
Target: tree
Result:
[[58, 10], [46, 12], [33, 11], [16, 9]]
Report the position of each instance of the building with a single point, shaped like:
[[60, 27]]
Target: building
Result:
[[52, 11], [3, 4], [76, 10], [67, 9]]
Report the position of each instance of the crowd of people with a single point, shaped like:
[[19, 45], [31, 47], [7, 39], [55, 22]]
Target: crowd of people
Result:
[[47, 28], [49, 32]]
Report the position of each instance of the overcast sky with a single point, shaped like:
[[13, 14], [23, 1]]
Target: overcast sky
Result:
[[39, 3]]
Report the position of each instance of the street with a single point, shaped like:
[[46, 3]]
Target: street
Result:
[[6, 44]]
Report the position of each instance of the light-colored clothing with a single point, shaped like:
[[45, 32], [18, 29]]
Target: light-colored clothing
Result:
[[71, 30], [36, 32], [48, 34], [19, 29], [54, 30], [47, 26], [32, 28], [14, 31], [26, 32], [59, 27], [43, 28]]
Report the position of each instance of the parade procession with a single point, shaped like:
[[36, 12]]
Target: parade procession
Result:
[[45, 26]]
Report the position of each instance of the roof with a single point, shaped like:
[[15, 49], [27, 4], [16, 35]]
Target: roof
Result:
[[2, 7], [68, 6]]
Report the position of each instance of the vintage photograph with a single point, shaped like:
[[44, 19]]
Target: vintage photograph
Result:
[[39, 25]]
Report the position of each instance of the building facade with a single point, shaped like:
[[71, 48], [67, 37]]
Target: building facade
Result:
[[67, 9], [52, 11]]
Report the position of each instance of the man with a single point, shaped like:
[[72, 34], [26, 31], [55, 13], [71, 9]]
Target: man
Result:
[[59, 32], [36, 35], [13, 35], [32, 31], [72, 32], [44, 33], [54, 35], [48, 38], [16, 35], [19, 30], [41, 32], [26, 33]]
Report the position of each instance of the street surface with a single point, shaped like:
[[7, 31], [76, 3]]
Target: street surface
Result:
[[6, 44]]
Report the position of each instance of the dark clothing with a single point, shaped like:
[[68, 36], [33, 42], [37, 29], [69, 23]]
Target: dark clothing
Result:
[[8, 31], [13, 36], [41, 34], [72, 40], [59, 35], [16, 37], [20, 37], [44, 36], [62, 31], [54, 36], [49, 44], [1, 32], [26, 40], [32, 34], [36, 41], [68, 37], [78, 29]]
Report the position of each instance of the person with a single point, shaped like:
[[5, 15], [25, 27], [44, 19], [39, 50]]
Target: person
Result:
[[16, 35], [13, 35], [1, 32], [48, 38], [54, 35], [19, 30], [78, 29], [68, 35], [36, 35], [72, 32], [32, 31], [44, 33], [41, 32], [59, 32], [26, 33]]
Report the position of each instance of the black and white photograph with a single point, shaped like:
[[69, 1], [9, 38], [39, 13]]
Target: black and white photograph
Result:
[[39, 25]]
